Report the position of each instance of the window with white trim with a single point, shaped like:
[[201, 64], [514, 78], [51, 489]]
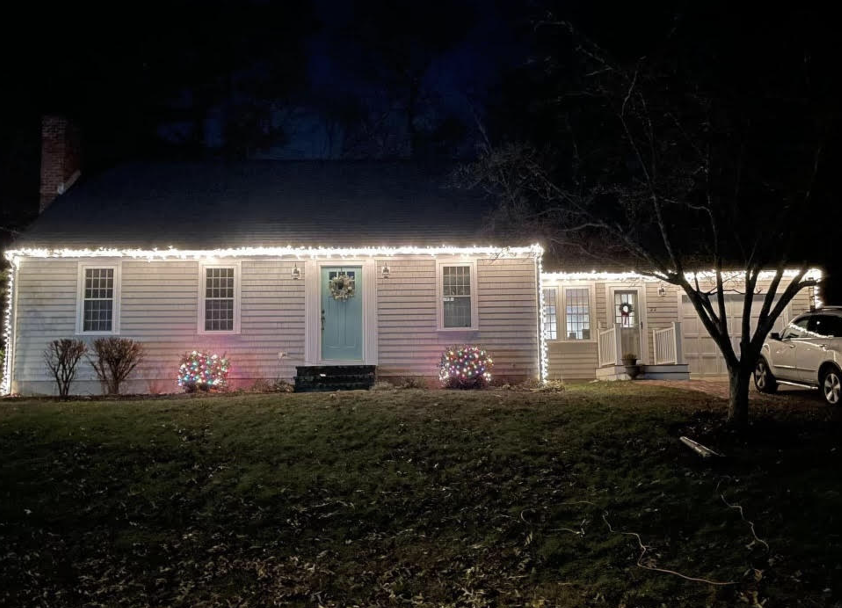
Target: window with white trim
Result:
[[457, 287], [550, 313], [577, 313], [456, 292], [219, 299], [98, 300]]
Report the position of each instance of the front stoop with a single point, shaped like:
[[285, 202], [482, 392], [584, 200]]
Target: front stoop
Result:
[[680, 371], [324, 378], [647, 372]]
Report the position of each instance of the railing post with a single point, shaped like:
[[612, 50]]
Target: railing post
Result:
[[655, 346], [618, 344], [679, 348], [598, 348]]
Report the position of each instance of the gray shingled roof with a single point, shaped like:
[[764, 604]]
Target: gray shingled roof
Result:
[[263, 203]]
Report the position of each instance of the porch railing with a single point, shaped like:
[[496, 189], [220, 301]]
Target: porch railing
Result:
[[667, 345], [610, 346]]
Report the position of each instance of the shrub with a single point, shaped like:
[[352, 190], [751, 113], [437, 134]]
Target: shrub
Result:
[[200, 371], [62, 357], [261, 385], [383, 385], [282, 386], [411, 382], [465, 367], [115, 358]]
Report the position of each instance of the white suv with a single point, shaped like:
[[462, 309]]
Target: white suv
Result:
[[807, 353]]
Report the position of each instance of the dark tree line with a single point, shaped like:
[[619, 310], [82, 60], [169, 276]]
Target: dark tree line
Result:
[[688, 155]]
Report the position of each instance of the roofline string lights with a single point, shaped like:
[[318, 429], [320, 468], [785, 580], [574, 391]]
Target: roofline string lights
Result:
[[729, 276], [293, 252]]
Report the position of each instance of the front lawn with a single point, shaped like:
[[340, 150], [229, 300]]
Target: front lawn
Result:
[[418, 498]]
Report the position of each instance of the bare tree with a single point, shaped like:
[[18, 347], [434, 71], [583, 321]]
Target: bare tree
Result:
[[663, 176], [62, 357], [115, 359]]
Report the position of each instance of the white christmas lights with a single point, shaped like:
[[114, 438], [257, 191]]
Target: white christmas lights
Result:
[[730, 275], [8, 325], [543, 354], [292, 252]]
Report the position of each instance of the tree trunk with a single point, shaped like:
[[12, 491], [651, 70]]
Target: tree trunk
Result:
[[739, 382]]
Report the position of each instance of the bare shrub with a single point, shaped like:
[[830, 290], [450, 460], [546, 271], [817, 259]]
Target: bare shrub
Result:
[[115, 359], [411, 382], [383, 385], [62, 357]]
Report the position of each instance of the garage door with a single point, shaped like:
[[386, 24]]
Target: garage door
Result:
[[700, 351]]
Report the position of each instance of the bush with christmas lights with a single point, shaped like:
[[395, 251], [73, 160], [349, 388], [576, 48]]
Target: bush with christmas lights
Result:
[[200, 371], [465, 367]]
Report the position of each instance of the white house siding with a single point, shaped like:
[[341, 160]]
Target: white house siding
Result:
[[159, 305], [409, 343], [45, 310]]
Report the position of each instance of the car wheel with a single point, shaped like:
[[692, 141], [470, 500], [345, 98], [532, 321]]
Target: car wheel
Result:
[[763, 378], [831, 386]]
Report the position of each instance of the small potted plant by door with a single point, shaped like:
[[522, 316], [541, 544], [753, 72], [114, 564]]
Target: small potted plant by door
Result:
[[630, 363]]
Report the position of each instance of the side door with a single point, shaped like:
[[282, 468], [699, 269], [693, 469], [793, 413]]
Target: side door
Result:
[[812, 349], [784, 351]]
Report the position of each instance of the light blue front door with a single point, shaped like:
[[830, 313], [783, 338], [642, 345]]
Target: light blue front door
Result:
[[342, 318]]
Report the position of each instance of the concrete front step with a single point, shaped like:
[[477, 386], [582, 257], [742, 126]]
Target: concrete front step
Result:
[[647, 372], [321, 378]]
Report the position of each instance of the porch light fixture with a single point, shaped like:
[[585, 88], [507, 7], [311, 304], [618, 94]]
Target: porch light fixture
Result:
[[385, 272], [662, 291], [296, 273]]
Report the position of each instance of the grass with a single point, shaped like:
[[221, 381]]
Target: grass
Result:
[[417, 498]]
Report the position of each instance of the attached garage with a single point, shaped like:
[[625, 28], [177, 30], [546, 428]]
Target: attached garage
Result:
[[701, 352]]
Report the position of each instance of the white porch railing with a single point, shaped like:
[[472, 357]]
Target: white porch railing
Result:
[[667, 345], [610, 346]]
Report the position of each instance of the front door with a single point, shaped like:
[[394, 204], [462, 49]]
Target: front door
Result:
[[342, 313], [627, 314]]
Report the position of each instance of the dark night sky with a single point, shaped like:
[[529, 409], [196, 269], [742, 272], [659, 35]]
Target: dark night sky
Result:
[[355, 79]]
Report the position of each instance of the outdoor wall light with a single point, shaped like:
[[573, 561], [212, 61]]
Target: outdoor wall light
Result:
[[296, 273], [385, 272], [662, 291]]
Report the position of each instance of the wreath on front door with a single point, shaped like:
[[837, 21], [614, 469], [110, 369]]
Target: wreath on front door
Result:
[[342, 287], [626, 309]]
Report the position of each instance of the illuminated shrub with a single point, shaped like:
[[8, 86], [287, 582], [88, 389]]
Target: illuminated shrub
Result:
[[465, 367], [199, 371]]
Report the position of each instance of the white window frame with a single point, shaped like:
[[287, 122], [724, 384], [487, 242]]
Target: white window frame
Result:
[[80, 298], [203, 268], [562, 325], [440, 265], [558, 316]]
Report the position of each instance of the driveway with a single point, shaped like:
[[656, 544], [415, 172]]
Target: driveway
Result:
[[719, 388]]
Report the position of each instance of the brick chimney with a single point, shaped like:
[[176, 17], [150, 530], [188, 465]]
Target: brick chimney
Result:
[[60, 158]]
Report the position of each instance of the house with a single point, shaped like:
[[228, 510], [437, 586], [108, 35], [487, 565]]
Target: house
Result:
[[315, 268]]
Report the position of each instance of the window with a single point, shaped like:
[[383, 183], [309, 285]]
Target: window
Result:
[[577, 313], [457, 296], [826, 326], [550, 314], [98, 308], [796, 329], [625, 308], [220, 306]]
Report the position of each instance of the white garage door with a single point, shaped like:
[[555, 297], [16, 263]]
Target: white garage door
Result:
[[700, 351]]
